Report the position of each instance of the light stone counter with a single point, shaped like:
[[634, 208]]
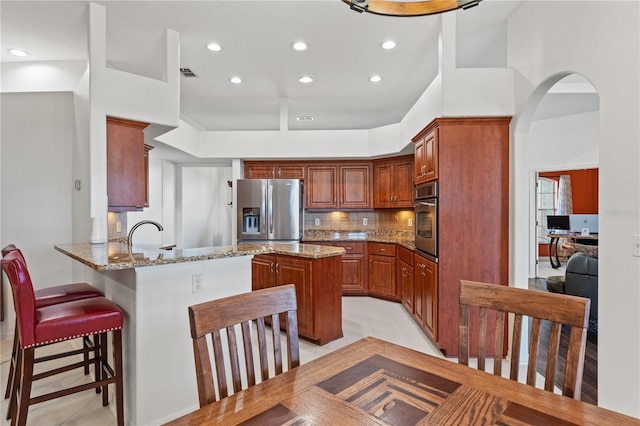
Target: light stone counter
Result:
[[403, 238], [116, 256]]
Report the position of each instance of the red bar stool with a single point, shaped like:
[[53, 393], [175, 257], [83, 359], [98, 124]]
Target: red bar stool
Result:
[[39, 326], [47, 297]]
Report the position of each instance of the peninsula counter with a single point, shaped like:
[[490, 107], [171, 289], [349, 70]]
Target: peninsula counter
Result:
[[154, 288]]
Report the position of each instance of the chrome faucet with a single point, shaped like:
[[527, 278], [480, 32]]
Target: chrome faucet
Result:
[[142, 222]]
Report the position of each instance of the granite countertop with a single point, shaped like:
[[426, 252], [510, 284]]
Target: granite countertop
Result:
[[116, 255], [403, 238]]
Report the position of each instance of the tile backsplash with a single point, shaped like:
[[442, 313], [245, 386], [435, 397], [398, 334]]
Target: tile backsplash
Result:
[[112, 225], [397, 220]]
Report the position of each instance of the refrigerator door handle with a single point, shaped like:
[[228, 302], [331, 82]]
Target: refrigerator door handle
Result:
[[270, 209]]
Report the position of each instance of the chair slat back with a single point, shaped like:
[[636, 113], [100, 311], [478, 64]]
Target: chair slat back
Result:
[[539, 306], [222, 319]]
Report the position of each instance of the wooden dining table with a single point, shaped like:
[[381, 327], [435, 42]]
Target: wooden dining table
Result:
[[374, 382]]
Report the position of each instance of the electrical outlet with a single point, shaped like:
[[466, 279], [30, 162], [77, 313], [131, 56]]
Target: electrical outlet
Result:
[[344, 217], [636, 245], [410, 223], [365, 221], [118, 226], [316, 221], [196, 283]]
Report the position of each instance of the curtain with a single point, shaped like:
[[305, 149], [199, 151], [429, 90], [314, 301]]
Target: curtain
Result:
[[565, 201]]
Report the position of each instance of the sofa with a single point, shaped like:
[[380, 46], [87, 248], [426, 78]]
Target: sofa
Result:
[[580, 279]]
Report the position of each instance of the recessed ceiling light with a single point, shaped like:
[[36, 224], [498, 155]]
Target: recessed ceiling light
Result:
[[214, 47], [304, 118], [17, 52], [299, 45], [235, 80], [389, 44], [375, 78], [305, 79]]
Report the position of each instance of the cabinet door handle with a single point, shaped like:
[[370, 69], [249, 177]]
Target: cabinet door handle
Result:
[[349, 248], [279, 172], [369, 263], [381, 249], [272, 267], [277, 268]]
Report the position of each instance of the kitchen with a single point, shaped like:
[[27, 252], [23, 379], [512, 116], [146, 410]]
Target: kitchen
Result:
[[56, 228]]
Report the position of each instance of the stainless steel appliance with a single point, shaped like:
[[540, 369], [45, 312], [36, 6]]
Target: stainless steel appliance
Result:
[[426, 211], [270, 209]]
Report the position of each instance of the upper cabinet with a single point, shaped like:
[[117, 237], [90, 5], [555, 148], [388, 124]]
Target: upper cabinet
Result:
[[273, 170], [127, 165], [393, 182], [426, 155], [341, 186]]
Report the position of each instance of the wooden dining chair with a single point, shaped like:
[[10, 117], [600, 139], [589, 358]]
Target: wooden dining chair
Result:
[[558, 309], [218, 319]]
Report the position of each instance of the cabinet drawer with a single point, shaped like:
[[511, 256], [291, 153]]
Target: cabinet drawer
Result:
[[405, 255], [351, 247], [382, 249]]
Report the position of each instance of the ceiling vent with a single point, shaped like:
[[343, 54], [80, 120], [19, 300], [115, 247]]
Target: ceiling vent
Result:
[[186, 72], [304, 118]]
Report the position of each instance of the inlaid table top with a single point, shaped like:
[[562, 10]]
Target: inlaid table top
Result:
[[374, 382]]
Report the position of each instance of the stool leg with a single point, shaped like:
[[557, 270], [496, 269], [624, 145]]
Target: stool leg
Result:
[[117, 356], [104, 361], [97, 360], [17, 374], [24, 390], [14, 353], [85, 347]]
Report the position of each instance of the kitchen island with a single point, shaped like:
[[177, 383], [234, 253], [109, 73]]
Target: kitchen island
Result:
[[154, 288]]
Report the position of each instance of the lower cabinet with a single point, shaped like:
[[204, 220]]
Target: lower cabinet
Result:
[[406, 278], [318, 291], [354, 272], [426, 295], [382, 270]]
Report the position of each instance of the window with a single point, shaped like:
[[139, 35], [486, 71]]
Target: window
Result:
[[547, 204]]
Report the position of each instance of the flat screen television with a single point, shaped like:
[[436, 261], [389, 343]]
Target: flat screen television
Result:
[[560, 222]]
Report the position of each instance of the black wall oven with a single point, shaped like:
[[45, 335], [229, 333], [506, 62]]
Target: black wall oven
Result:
[[426, 211]]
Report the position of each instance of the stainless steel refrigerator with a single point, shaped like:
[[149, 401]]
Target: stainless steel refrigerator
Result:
[[270, 209]]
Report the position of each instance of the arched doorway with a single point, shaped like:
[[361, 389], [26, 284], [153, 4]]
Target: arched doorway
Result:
[[557, 130]]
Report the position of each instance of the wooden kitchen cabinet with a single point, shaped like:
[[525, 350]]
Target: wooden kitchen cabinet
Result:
[[426, 156], [127, 165], [393, 182], [346, 186], [426, 300], [382, 270], [321, 187], [318, 291], [273, 170], [263, 271], [406, 279], [470, 161], [355, 186], [354, 271]]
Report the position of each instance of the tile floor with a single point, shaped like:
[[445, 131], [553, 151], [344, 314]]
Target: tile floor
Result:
[[362, 316]]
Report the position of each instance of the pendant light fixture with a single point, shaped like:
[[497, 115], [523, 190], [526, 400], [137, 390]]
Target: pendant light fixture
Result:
[[409, 8]]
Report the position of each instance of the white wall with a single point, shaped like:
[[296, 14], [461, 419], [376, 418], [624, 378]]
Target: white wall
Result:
[[206, 215], [563, 143], [602, 45], [37, 182]]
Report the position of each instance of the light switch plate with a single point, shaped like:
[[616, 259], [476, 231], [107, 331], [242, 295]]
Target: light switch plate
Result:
[[365, 221], [636, 245]]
